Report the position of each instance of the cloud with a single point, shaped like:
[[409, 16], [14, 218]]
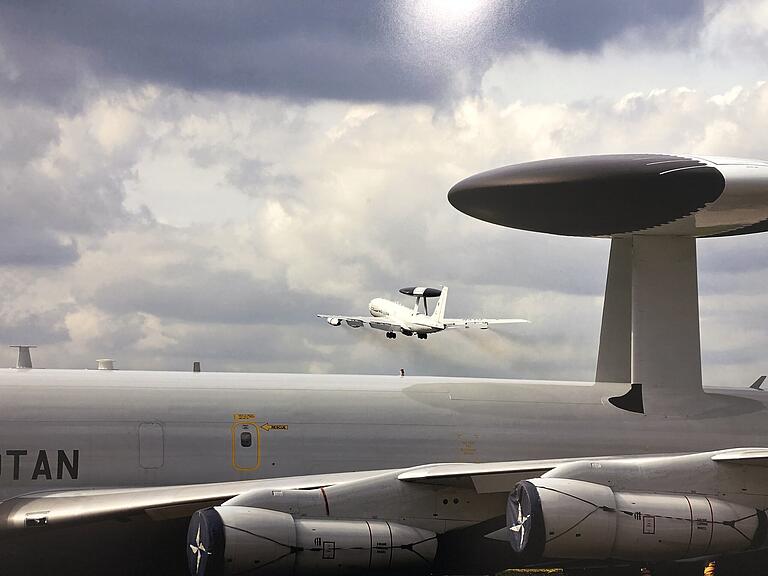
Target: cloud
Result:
[[63, 177], [192, 292], [425, 50], [206, 203], [586, 25]]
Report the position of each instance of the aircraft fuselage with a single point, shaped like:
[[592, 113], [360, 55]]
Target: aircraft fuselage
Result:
[[79, 428], [414, 322]]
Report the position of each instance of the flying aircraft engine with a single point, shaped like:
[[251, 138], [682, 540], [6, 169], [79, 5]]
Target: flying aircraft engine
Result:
[[572, 519], [334, 321], [239, 539]]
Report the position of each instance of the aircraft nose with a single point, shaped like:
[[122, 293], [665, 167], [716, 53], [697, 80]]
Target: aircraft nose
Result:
[[590, 195]]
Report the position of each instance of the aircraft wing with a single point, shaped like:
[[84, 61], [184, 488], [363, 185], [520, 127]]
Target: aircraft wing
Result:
[[71, 507], [35, 511], [357, 321], [482, 323]]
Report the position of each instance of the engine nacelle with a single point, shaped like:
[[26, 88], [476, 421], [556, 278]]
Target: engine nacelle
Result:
[[355, 323], [571, 519], [334, 321], [237, 540]]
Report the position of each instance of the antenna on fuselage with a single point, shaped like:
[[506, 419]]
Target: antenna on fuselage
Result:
[[24, 359], [105, 364]]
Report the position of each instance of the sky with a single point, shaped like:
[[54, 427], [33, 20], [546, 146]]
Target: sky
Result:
[[195, 181]]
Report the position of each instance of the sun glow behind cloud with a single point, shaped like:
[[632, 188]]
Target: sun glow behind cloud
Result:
[[440, 25]]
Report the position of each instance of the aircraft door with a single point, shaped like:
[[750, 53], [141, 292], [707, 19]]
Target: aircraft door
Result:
[[151, 445], [246, 446]]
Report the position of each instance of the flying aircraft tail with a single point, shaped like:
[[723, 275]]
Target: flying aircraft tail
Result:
[[439, 314]]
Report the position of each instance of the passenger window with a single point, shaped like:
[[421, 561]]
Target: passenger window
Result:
[[246, 439]]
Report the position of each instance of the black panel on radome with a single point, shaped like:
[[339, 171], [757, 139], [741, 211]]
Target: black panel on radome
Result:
[[590, 195], [425, 292]]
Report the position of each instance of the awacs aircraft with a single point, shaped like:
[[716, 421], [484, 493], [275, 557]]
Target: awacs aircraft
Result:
[[394, 317], [299, 475]]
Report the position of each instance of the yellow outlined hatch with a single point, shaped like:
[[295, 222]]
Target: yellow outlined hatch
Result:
[[246, 443]]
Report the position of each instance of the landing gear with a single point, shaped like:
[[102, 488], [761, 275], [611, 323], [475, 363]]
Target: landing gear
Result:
[[391, 335], [422, 336]]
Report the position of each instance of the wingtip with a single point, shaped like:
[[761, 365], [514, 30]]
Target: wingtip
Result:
[[757, 384]]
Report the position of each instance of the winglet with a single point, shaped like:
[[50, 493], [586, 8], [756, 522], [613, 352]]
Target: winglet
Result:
[[756, 385]]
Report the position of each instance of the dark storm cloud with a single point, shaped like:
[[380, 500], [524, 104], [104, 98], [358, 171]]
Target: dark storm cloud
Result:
[[585, 25], [343, 50]]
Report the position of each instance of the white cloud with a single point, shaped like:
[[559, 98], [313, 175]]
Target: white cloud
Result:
[[261, 212]]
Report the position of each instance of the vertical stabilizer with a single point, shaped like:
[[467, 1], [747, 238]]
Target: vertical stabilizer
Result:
[[439, 314], [666, 349], [614, 356]]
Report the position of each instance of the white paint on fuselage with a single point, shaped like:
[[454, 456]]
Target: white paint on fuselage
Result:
[[414, 321]]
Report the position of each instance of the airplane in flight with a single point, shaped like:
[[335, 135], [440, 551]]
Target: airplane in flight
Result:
[[393, 317], [299, 475]]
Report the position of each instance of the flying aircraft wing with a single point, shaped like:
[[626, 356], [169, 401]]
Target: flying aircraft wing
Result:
[[358, 321], [482, 323]]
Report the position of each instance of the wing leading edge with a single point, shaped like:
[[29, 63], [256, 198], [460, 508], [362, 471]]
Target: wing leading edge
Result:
[[357, 321], [73, 507], [481, 323]]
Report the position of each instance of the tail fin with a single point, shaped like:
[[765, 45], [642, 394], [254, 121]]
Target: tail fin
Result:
[[439, 312]]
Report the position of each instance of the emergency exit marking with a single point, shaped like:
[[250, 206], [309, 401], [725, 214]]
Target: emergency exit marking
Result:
[[649, 525], [329, 550]]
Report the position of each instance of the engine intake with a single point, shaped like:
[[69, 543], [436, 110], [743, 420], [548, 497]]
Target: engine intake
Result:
[[239, 540], [334, 321], [571, 519]]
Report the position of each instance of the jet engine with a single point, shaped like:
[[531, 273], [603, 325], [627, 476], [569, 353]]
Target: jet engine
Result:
[[238, 540], [572, 519], [334, 321], [354, 323]]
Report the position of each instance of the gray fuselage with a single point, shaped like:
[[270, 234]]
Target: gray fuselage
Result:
[[62, 429]]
